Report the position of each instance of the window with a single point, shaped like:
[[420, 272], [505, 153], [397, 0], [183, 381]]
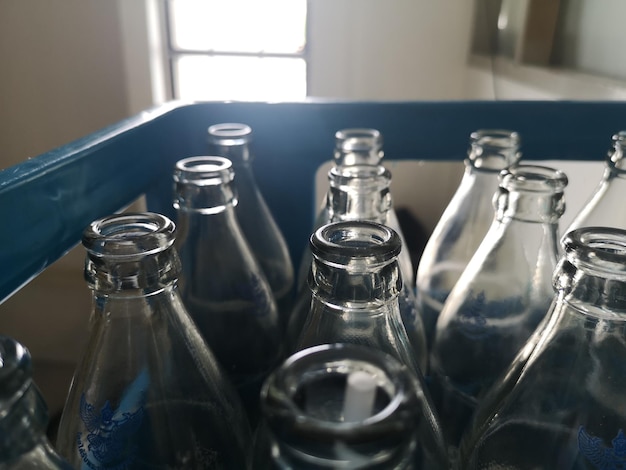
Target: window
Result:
[[237, 49]]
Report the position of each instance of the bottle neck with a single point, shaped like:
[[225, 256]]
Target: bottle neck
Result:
[[359, 193], [531, 193], [205, 199], [135, 277], [355, 285], [22, 423]]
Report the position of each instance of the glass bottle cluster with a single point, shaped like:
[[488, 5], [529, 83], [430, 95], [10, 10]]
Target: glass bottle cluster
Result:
[[503, 348]]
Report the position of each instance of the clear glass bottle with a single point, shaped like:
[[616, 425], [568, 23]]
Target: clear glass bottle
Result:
[[355, 280], [221, 284], [148, 392], [605, 206], [23, 414], [501, 297], [361, 192], [233, 141], [357, 152], [566, 408], [339, 406], [464, 222]]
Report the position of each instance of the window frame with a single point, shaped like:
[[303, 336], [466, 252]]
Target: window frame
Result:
[[173, 53]]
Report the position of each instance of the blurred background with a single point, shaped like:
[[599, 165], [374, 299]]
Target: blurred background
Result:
[[74, 66]]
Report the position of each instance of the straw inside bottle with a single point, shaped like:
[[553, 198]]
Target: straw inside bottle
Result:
[[359, 397]]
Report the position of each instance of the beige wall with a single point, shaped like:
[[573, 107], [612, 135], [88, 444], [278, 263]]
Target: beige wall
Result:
[[62, 76], [62, 73]]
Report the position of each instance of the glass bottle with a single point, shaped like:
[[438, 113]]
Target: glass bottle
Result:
[[339, 406], [464, 222], [148, 392], [362, 149], [605, 206], [361, 192], [355, 281], [23, 414], [232, 140], [221, 284], [566, 409], [502, 295]]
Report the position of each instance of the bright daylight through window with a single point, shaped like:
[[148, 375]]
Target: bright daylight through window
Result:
[[237, 49]]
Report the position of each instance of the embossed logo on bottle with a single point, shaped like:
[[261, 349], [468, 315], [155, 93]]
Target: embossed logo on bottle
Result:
[[110, 441], [601, 456]]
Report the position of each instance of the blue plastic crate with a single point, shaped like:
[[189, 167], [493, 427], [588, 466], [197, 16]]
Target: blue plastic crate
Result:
[[47, 201]]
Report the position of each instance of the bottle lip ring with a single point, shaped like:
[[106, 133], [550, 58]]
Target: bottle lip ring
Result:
[[229, 134], [129, 235], [204, 170], [496, 134], [602, 248], [328, 356], [359, 140], [356, 239], [533, 178], [358, 133], [359, 175]]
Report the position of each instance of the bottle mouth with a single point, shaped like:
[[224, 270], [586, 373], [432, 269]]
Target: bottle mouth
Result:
[[601, 248], [340, 242], [129, 235], [204, 171], [315, 387], [615, 159], [358, 146], [230, 133], [533, 178], [494, 149]]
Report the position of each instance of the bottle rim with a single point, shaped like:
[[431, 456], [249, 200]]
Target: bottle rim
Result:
[[533, 178], [129, 235], [282, 388], [340, 242], [615, 160], [204, 170], [358, 145], [493, 150], [230, 133], [601, 248]]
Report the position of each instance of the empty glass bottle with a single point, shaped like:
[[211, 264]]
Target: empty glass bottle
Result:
[[464, 222], [355, 281], [23, 414], [363, 150], [566, 408], [361, 192], [605, 207], [339, 406], [221, 284], [502, 295], [148, 392], [232, 140]]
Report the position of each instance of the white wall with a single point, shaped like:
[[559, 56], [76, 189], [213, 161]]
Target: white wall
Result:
[[391, 50]]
